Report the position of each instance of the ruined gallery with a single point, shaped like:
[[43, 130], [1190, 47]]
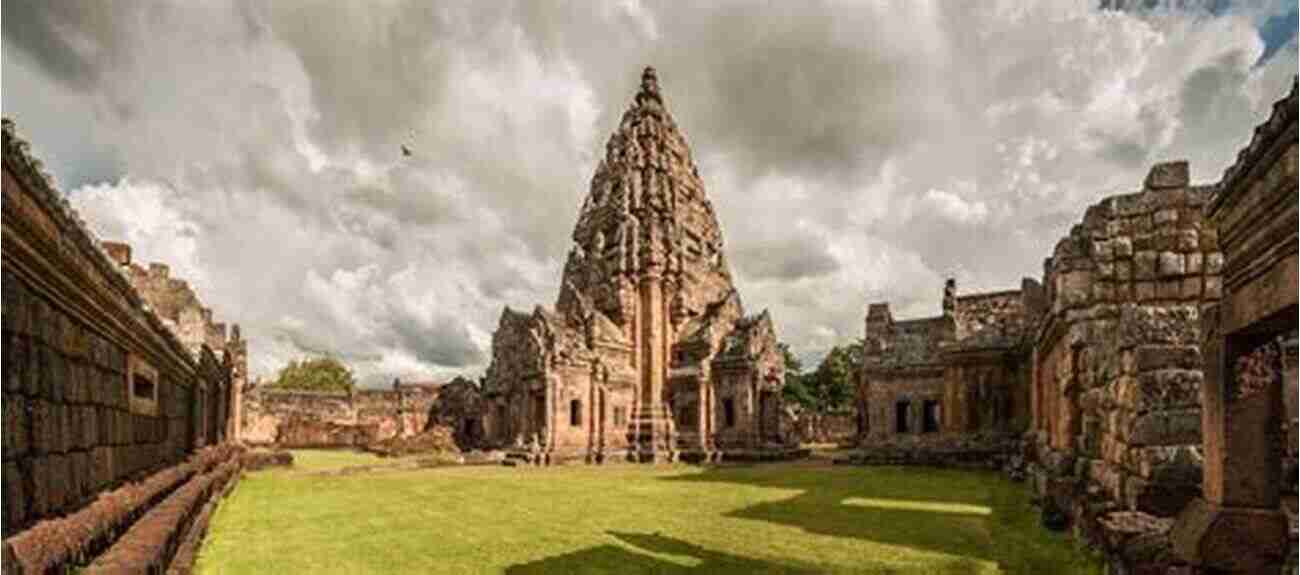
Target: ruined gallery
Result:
[[1127, 408]]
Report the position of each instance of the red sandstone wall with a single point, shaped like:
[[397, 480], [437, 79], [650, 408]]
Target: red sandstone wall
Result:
[[73, 331]]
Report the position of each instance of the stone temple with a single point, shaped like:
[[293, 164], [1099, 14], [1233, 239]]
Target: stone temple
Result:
[[648, 354]]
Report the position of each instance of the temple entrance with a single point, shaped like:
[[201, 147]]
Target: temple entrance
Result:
[[931, 415], [901, 410], [539, 414]]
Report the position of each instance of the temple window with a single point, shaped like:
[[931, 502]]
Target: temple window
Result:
[[575, 413]]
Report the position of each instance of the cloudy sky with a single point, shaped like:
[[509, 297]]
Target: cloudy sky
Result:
[[855, 151]]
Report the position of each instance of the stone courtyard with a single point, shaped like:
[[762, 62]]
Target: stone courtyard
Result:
[[1133, 409]]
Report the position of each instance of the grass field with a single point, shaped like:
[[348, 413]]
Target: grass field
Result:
[[784, 518]]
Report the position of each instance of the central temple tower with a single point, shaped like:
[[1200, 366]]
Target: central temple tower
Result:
[[647, 321]]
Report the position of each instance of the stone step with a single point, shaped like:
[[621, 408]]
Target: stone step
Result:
[[151, 544], [64, 543]]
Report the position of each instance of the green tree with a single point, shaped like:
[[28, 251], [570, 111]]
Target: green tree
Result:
[[796, 389], [315, 374], [832, 383]]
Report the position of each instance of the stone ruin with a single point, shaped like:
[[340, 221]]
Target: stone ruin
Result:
[[176, 304], [1152, 375], [648, 354], [951, 388], [117, 418], [291, 418]]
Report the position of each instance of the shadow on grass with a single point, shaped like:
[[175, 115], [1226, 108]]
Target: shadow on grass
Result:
[[973, 515], [690, 558]]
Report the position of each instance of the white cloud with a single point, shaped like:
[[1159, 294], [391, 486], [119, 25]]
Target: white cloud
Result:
[[954, 208]]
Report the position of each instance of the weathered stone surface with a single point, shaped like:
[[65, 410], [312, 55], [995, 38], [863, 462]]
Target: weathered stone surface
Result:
[[1171, 264], [292, 418], [1167, 175]]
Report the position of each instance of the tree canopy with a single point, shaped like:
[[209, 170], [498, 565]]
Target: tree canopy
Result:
[[315, 374], [831, 386]]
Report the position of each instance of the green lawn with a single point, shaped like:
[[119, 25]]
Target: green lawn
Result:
[[325, 460], [630, 519]]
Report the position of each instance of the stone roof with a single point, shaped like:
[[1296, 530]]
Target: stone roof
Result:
[[647, 212], [914, 343]]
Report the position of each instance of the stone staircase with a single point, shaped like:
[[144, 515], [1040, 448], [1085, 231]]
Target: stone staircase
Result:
[[153, 525]]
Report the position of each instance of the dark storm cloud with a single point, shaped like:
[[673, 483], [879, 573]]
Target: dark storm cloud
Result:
[[442, 341], [71, 40], [787, 260], [373, 72]]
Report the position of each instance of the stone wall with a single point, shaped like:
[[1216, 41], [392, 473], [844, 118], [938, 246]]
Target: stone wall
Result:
[[839, 428], [293, 418], [97, 390], [179, 308], [1118, 369]]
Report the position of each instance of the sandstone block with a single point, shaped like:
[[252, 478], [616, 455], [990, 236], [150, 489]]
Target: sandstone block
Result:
[[101, 464], [1191, 288], [15, 496], [1158, 428], [78, 476], [69, 426], [1145, 291], [1188, 240], [16, 431], [1171, 264], [1144, 265], [1194, 262], [1103, 250], [1213, 287], [1165, 216], [103, 426], [1214, 263], [1174, 325], [89, 426], [12, 383], [31, 372], [1167, 175], [1158, 357], [59, 481], [1123, 271], [1122, 247], [46, 427], [1209, 239], [1169, 389], [1170, 289]]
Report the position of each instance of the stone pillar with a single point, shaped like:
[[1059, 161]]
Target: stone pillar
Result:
[[651, 418]]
